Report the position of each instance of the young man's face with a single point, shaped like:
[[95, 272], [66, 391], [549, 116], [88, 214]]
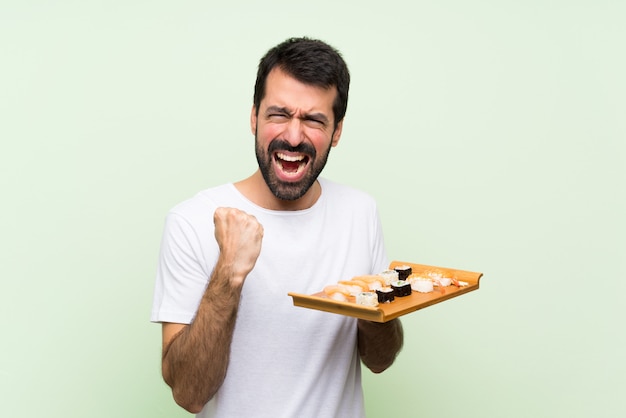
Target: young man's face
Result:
[[294, 132]]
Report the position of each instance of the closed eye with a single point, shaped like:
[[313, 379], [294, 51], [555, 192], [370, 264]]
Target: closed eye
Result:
[[281, 114], [277, 113], [315, 120], [278, 117]]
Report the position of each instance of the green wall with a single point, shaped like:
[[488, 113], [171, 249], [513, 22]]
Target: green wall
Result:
[[491, 132]]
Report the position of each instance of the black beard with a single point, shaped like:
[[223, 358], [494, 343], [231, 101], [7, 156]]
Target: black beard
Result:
[[289, 190]]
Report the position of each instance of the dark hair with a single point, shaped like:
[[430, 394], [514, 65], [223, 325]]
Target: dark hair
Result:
[[309, 61]]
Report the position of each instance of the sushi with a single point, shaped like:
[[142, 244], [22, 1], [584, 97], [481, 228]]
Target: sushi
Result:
[[337, 292], [367, 299], [374, 282], [389, 276], [385, 295], [422, 285], [403, 272], [401, 288]]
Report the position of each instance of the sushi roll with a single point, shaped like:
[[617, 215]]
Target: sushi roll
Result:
[[403, 272], [367, 299], [389, 276], [401, 288], [385, 295]]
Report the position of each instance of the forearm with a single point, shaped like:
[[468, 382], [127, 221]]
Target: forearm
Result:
[[379, 343], [195, 361]]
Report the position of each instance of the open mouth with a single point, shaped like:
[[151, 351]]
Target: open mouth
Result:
[[291, 165]]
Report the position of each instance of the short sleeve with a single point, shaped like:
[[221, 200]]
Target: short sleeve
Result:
[[182, 273]]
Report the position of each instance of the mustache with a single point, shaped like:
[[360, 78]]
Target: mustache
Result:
[[282, 145]]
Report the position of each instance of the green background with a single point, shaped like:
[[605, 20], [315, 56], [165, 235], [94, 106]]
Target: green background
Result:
[[492, 133]]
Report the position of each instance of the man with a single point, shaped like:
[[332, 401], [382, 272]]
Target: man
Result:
[[233, 343]]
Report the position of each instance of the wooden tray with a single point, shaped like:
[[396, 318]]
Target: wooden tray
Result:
[[400, 306]]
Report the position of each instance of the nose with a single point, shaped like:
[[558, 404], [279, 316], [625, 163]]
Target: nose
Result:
[[294, 132]]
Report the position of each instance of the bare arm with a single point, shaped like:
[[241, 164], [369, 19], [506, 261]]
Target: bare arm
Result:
[[379, 343], [195, 356]]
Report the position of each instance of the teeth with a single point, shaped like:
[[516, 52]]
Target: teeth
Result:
[[290, 158]]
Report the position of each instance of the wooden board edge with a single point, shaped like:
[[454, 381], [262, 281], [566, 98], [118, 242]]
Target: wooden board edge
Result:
[[462, 291], [337, 307]]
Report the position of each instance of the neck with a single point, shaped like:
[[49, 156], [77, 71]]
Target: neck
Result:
[[256, 190]]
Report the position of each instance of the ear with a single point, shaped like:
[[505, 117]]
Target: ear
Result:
[[253, 120], [337, 134]]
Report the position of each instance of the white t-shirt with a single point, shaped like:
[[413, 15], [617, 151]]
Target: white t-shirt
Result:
[[285, 361]]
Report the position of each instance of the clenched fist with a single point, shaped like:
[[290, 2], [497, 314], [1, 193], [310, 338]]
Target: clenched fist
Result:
[[239, 236]]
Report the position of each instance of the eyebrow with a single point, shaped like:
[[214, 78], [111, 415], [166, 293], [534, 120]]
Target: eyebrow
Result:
[[307, 116]]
